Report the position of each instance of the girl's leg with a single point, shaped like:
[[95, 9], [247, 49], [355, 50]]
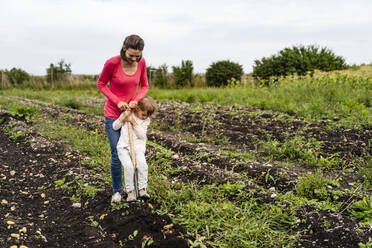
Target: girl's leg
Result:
[[116, 171], [142, 169], [126, 161]]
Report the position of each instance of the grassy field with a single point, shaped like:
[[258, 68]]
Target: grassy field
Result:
[[307, 150]]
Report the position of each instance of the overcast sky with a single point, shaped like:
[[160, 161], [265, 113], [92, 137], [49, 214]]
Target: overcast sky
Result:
[[85, 33]]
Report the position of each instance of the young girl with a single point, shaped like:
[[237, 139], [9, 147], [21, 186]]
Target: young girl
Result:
[[140, 120]]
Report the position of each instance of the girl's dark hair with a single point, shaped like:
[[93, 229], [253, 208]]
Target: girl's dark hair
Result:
[[132, 41], [148, 105]]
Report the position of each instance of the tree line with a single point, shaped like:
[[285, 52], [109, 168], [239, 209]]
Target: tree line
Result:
[[299, 60]]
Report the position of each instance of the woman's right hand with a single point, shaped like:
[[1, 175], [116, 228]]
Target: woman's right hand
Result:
[[123, 106]]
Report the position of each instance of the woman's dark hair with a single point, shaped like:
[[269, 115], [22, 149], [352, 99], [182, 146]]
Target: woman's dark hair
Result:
[[132, 41]]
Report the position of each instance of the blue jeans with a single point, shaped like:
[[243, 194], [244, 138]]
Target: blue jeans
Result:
[[116, 170]]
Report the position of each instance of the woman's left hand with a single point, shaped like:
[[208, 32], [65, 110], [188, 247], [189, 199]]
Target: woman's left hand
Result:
[[133, 104]]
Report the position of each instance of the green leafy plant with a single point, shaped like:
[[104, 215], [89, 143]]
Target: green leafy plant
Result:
[[147, 242], [294, 148], [93, 222], [368, 245], [231, 189], [219, 73], [23, 112], [314, 186], [297, 60], [362, 210]]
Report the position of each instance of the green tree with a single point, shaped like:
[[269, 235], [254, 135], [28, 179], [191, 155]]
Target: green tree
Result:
[[59, 72], [161, 76], [297, 60], [220, 72], [183, 75], [17, 76]]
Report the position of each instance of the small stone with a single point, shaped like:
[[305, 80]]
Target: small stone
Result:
[[12, 208], [14, 235], [12, 173], [14, 246], [76, 205], [9, 222], [272, 189], [46, 202], [42, 195], [23, 246], [4, 202], [273, 195], [38, 232], [168, 226], [23, 230], [175, 156], [7, 215]]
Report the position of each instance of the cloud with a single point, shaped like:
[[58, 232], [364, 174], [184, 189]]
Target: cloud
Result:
[[87, 32]]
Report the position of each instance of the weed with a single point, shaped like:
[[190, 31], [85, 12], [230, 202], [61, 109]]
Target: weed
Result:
[[93, 222], [362, 210], [147, 242], [23, 112], [70, 103], [198, 242], [231, 189], [314, 186], [368, 245], [326, 224]]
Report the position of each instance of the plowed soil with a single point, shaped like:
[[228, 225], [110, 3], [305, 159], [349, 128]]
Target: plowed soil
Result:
[[52, 221], [35, 213]]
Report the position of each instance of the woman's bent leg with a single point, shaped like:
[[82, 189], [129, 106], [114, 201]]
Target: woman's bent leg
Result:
[[116, 171]]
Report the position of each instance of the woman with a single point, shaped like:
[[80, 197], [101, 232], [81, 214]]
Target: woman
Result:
[[124, 72]]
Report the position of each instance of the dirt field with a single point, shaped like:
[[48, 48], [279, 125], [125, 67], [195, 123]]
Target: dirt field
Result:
[[42, 215]]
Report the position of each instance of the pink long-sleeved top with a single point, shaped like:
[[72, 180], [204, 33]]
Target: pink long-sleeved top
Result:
[[123, 87]]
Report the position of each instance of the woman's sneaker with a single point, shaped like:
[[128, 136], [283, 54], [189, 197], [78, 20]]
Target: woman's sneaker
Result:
[[116, 197], [131, 196], [143, 193]]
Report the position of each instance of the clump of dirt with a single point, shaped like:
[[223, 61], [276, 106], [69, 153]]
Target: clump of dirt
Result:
[[329, 229], [36, 213]]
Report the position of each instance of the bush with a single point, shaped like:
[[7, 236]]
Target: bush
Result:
[[161, 76], [59, 72], [183, 75], [17, 76], [220, 72], [297, 60]]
